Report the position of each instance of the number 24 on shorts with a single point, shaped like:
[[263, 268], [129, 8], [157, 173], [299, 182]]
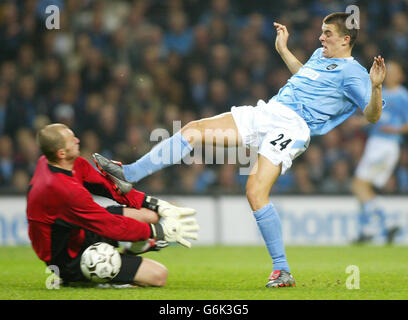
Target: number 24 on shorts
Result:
[[280, 142]]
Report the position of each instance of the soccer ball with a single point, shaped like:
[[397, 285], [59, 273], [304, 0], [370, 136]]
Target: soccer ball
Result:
[[100, 262]]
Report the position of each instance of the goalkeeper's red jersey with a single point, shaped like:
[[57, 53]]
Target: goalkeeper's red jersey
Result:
[[60, 209]]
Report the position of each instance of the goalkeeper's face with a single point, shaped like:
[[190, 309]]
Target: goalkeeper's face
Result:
[[71, 145]]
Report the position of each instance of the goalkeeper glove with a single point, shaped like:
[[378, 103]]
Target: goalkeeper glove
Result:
[[175, 230], [165, 209]]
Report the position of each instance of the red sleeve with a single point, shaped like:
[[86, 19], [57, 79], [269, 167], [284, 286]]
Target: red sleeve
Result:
[[89, 176], [82, 211]]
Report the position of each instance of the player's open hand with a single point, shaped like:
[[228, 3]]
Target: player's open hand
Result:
[[377, 71], [177, 230], [282, 36], [166, 210]]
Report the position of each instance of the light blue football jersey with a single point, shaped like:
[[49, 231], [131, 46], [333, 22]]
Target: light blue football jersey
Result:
[[396, 113], [326, 91]]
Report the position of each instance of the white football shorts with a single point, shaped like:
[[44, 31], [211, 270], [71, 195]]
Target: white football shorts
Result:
[[378, 161], [278, 132]]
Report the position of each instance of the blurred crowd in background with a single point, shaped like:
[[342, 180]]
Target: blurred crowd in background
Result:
[[117, 70]]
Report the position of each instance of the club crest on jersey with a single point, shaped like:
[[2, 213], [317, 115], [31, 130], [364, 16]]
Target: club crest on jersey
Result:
[[331, 66]]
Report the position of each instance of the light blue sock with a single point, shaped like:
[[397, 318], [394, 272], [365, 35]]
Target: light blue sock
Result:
[[371, 208], [381, 216], [166, 153], [363, 220], [270, 226]]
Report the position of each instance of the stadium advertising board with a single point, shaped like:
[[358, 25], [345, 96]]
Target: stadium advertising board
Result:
[[228, 220]]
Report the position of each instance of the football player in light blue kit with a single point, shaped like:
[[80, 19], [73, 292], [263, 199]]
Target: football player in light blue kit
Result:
[[380, 157], [321, 94]]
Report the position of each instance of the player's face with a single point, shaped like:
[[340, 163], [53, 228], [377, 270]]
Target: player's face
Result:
[[71, 145], [333, 43]]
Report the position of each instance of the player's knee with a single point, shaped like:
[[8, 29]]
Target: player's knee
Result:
[[358, 185], [257, 196], [160, 277], [151, 273]]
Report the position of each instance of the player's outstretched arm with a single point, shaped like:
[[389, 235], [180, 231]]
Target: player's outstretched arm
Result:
[[372, 111], [281, 42]]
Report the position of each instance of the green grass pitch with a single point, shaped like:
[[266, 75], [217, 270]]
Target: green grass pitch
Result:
[[230, 273]]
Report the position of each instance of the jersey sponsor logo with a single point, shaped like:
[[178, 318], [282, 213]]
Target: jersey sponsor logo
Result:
[[331, 66], [308, 73]]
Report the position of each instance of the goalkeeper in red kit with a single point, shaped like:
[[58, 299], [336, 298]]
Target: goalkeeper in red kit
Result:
[[63, 218]]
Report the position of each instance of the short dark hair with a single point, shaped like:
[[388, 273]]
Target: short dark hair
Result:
[[339, 19], [50, 140]]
